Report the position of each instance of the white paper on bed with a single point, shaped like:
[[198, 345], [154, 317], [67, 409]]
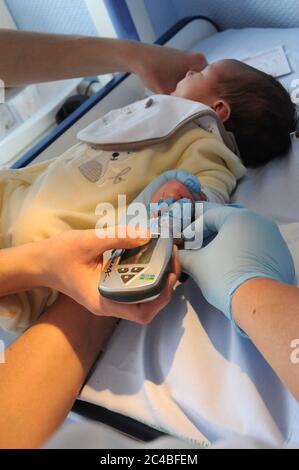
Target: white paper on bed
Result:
[[190, 372], [273, 62], [243, 43]]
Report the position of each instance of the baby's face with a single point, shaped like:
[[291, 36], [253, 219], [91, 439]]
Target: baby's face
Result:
[[202, 86]]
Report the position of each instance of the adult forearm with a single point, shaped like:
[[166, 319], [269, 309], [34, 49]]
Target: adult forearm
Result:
[[44, 371], [56, 57], [268, 311], [20, 268]]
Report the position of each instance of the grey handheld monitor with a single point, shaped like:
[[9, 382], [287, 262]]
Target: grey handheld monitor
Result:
[[139, 274]]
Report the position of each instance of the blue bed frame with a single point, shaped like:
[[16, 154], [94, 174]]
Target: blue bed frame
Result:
[[124, 424]]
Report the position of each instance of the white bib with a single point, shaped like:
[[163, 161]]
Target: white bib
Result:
[[152, 121]]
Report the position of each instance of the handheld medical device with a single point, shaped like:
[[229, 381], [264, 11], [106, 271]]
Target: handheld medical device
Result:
[[139, 274]]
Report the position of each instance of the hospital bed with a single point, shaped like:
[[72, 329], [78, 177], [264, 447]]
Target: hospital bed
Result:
[[189, 373]]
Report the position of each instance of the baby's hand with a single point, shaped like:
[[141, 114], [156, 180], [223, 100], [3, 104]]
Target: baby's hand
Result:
[[172, 189], [171, 192], [169, 187]]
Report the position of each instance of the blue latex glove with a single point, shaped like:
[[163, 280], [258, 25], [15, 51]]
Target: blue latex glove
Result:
[[245, 245]]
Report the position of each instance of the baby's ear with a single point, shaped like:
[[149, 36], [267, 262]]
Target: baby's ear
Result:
[[223, 110]]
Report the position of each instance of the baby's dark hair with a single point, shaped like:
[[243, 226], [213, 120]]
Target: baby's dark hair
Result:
[[262, 114]]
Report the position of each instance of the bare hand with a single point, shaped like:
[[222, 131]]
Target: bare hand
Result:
[[161, 68], [73, 263]]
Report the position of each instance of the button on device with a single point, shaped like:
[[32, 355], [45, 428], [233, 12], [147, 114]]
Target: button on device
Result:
[[136, 270], [123, 270], [127, 277]]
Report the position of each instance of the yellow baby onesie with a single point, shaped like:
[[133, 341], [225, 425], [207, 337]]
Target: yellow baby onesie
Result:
[[45, 199]]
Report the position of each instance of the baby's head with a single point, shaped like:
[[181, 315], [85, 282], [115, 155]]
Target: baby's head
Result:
[[251, 104]]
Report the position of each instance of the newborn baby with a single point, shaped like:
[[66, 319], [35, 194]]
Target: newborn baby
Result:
[[253, 105], [45, 199]]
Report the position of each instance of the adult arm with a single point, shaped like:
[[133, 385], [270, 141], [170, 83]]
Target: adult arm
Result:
[[246, 270], [46, 367], [56, 57], [268, 311], [72, 263], [44, 371], [20, 268]]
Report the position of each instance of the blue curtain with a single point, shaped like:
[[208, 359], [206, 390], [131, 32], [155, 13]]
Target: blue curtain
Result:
[[52, 16], [69, 16], [121, 19]]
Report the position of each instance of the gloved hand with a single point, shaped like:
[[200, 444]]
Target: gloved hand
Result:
[[245, 245]]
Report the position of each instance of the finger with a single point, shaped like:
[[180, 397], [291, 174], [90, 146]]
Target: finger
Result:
[[207, 206], [136, 313], [186, 259], [213, 220], [109, 308], [210, 221], [141, 313], [149, 310], [116, 238]]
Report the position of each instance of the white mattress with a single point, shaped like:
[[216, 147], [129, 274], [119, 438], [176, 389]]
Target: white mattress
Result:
[[189, 372], [243, 43]]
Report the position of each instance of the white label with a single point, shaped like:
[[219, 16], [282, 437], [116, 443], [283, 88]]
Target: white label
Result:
[[273, 62]]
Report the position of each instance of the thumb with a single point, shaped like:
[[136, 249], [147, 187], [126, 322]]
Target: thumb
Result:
[[187, 258], [115, 238], [212, 218]]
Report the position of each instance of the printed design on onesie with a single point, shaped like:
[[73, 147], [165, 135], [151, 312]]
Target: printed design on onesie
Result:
[[105, 168]]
